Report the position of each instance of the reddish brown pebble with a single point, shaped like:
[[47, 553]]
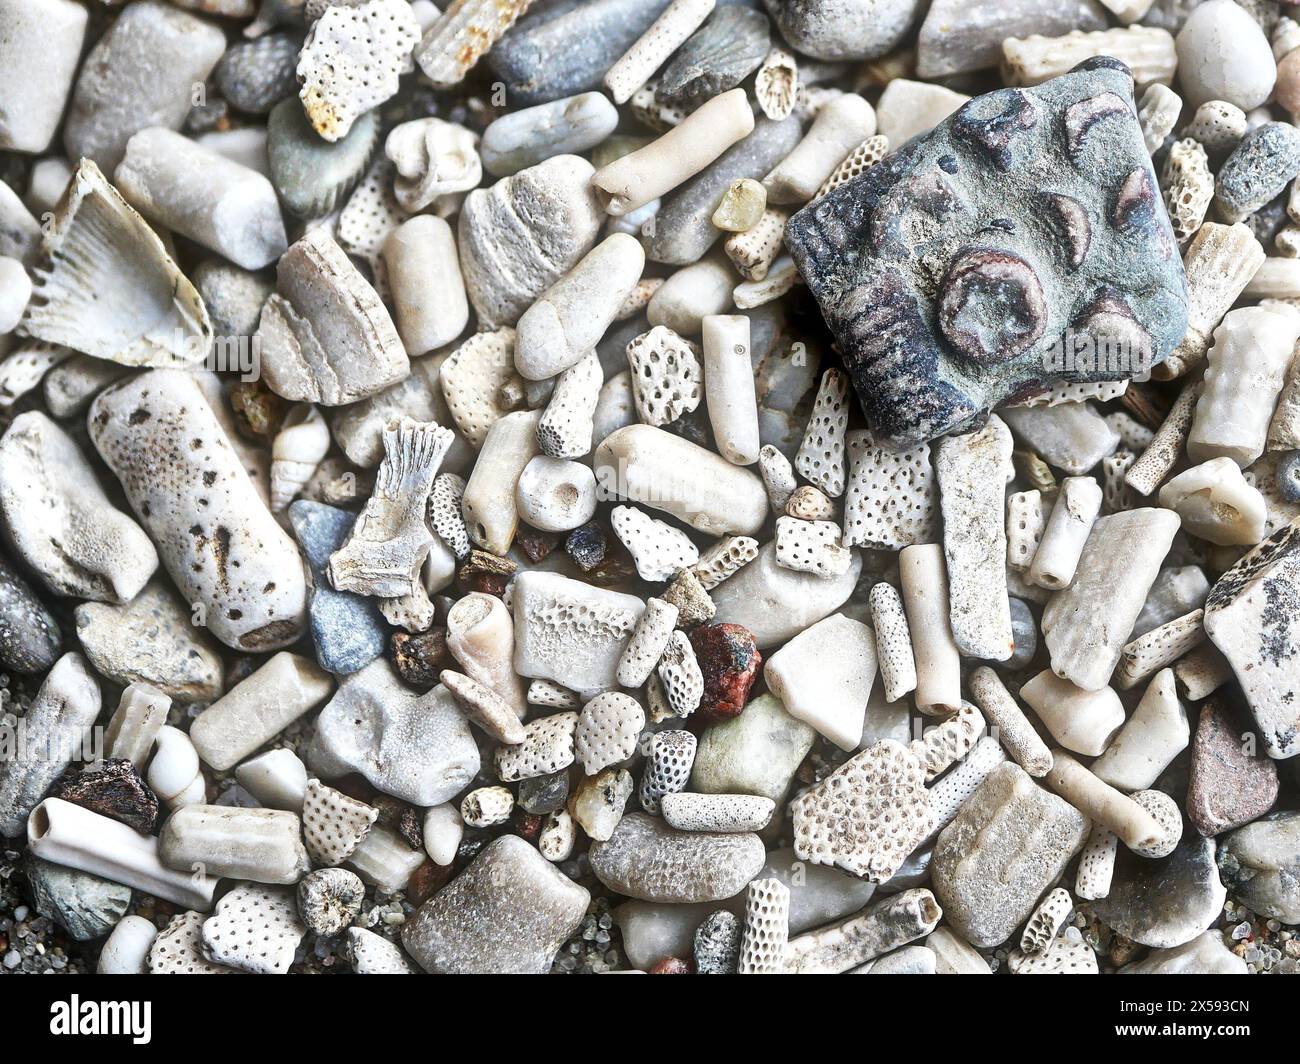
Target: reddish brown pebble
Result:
[[426, 881], [673, 966], [259, 412], [1232, 781], [729, 659], [536, 545], [114, 790], [528, 825], [485, 573]]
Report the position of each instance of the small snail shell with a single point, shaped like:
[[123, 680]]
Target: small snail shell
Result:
[[174, 773], [298, 449]]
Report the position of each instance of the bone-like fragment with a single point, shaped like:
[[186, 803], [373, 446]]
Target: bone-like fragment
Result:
[[1057, 556], [1013, 729], [924, 582]]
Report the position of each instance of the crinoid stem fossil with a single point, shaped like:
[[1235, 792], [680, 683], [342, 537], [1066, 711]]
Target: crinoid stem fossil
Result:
[[1086, 625], [680, 154], [77, 838], [389, 542], [134, 725], [1077, 505], [489, 507], [1253, 347], [1013, 728], [648, 465], [924, 582], [262, 845], [258, 708], [1103, 804], [729, 387], [1166, 446], [840, 126], [666, 34], [424, 276]]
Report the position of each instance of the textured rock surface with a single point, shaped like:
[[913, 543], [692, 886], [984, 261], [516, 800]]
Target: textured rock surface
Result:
[[1166, 902], [415, 747], [958, 36], [1007, 845], [507, 913], [1069, 151], [29, 635], [647, 859], [86, 906]]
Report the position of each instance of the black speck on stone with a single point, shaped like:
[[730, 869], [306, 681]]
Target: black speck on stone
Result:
[[30, 640]]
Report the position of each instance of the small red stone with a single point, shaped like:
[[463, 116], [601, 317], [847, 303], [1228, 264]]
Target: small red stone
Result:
[[528, 825], [673, 966], [729, 660], [426, 881]]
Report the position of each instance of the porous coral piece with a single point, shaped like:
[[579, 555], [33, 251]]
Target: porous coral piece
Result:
[[821, 453], [867, 816], [679, 672], [666, 377], [608, 729], [255, 928], [892, 499], [334, 824], [658, 549], [667, 768], [548, 746]]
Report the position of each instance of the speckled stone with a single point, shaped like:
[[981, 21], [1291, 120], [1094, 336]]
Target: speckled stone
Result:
[[1258, 170], [1260, 864], [1022, 267], [1164, 902], [85, 906], [151, 640], [1229, 784], [30, 639], [507, 913], [729, 660], [1007, 845], [347, 630], [647, 859]]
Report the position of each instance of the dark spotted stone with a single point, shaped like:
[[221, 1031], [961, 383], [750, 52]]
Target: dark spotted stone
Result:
[[955, 272], [1232, 781], [421, 657]]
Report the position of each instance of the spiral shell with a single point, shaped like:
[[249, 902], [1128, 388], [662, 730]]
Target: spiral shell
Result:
[[297, 451]]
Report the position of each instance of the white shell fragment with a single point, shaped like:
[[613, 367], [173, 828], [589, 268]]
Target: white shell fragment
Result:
[[110, 289], [659, 550], [388, 544], [434, 159]]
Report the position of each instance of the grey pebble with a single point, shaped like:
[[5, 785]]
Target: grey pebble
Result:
[[1261, 865], [30, 639], [312, 175], [718, 56], [540, 795], [1258, 170], [85, 906], [347, 630], [717, 944], [233, 296], [256, 75], [1164, 902]]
